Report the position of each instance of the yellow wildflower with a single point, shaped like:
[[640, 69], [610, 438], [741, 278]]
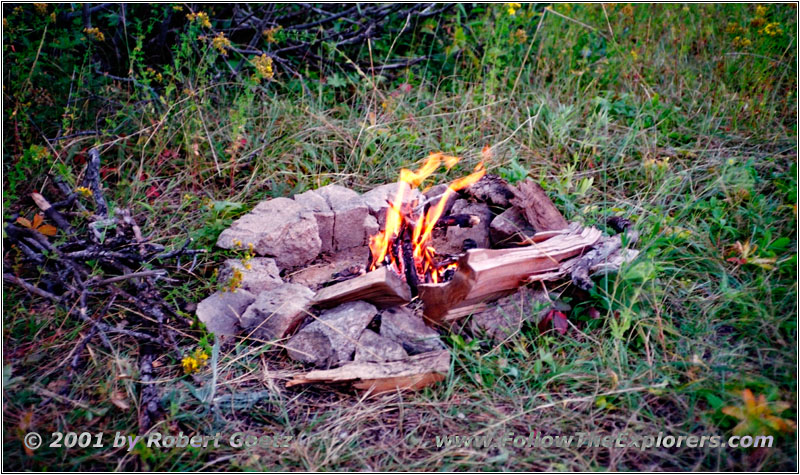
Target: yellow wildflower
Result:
[[772, 29], [95, 33], [761, 10], [41, 8], [221, 44], [732, 28], [199, 17], [634, 54], [741, 42], [177, 8], [192, 363], [263, 65], [512, 8], [85, 192], [270, 34], [757, 22]]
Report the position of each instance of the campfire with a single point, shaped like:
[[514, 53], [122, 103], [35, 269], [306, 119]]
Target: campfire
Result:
[[405, 245], [341, 273]]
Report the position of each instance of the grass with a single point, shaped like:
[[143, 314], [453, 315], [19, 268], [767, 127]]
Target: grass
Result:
[[656, 113]]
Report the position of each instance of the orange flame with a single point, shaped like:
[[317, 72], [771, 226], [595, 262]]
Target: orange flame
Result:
[[423, 253]]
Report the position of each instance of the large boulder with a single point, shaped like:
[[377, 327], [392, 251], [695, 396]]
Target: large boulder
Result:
[[221, 311], [402, 326], [277, 312], [279, 228], [342, 326], [255, 276]]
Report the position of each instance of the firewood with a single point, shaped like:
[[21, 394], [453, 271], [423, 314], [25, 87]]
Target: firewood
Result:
[[414, 372], [540, 212], [484, 274], [381, 287]]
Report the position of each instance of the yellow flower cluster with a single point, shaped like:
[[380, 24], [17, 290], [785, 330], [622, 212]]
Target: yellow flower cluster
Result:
[[270, 33], [772, 29], [221, 44], [263, 65], [41, 8], [199, 17], [512, 8], [85, 192], [761, 11], [740, 42], [192, 363], [95, 33], [520, 36]]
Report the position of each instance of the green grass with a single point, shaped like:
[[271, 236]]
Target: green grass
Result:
[[656, 113]]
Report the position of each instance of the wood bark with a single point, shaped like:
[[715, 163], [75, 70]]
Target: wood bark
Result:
[[485, 274], [540, 212]]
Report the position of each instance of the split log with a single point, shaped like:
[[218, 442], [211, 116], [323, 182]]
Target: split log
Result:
[[381, 287], [414, 372], [486, 274], [540, 212]]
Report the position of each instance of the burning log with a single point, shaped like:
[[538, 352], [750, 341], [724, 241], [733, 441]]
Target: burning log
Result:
[[484, 274], [381, 287]]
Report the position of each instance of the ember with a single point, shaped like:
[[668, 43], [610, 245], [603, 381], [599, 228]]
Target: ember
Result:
[[405, 244]]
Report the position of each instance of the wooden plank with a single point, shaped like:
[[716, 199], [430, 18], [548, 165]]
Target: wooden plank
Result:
[[485, 274], [381, 287], [412, 373]]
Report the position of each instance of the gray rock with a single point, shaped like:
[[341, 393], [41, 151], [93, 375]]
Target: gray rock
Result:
[[349, 212], [451, 241], [280, 228], [314, 202], [373, 347], [377, 199], [436, 193], [402, 326], [262, 275], [221, 311], [492, 190], [277, 312], [506, 316], [342, 326], [371, 227], [311, 347], [509, 227]]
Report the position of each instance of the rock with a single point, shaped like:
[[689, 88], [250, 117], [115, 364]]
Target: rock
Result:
[[311, 347], [314, 202], [506, 316], [452, 240], [509, 227], [402, 326], [377, 199], [371, 227], [277, 312], [349, 212], [492, 190], [342, 326], [375, 348], [262, 275], [279, 228], [221, 311], [435, 193]]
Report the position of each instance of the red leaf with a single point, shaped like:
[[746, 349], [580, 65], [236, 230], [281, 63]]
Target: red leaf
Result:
[[152, 192], [560, 322]]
